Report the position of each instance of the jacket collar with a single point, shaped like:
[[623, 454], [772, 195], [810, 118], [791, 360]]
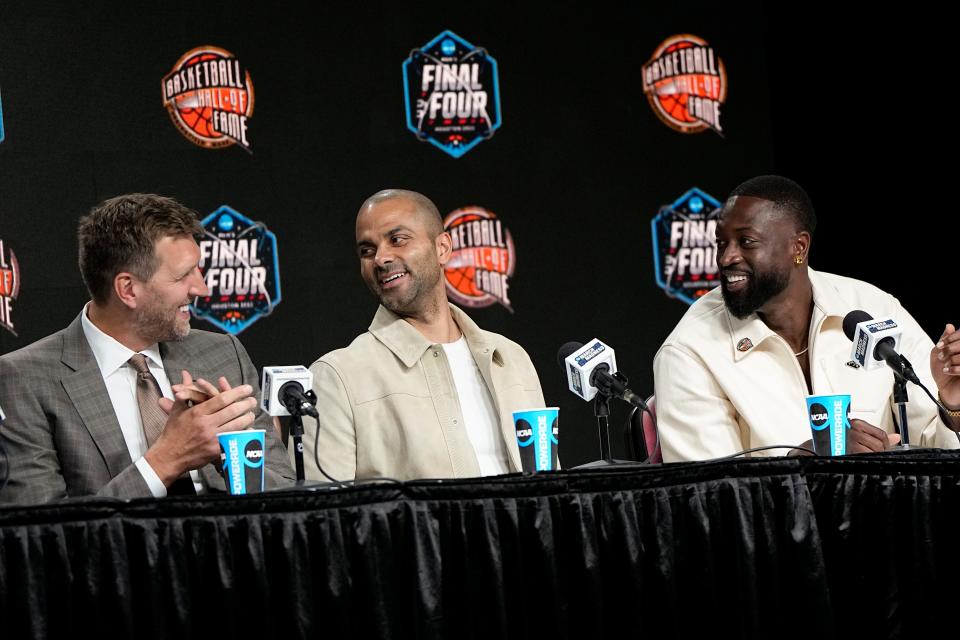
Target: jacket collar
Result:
[[747, 333], [409, 345]]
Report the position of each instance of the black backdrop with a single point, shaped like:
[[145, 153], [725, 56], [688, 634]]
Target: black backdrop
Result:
[[577, 170]]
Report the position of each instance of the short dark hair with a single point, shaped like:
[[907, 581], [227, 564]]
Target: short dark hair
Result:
[[119, 234], [788, 197]]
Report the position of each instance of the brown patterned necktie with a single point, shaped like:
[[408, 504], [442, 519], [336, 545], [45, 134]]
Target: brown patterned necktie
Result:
[[148, 394]]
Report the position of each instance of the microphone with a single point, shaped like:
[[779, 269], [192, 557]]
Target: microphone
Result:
[[592, 369], [288, 391], [875, 342]]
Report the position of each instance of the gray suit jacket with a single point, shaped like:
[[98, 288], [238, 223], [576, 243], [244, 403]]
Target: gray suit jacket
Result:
[[62, 436]]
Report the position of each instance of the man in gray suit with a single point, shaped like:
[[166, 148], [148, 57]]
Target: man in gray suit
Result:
[[108, 406]]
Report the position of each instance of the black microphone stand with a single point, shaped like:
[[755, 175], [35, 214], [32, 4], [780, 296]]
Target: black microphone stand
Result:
[[297, 410], [901, 399], [902, 373], [601, 409]]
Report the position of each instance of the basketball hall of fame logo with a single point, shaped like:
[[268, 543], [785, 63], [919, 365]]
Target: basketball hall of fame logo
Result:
[[686, 84], [209, 96], [9, 286], [483, 258]]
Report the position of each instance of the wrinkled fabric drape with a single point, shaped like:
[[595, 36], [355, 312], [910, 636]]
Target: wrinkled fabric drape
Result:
[[749, 548]]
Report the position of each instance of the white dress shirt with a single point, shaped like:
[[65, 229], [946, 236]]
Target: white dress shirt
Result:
[[121, 381]]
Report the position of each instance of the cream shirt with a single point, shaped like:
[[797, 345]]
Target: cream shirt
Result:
[[724, 384]]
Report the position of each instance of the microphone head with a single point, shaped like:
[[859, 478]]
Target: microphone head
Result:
[[565, 352], [293, 385], [292, 395], [874, 340], [579, 362], [277, 382], [852, 319]]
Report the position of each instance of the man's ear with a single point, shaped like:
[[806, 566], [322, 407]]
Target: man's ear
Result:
[[801, 246], [127, 288], [444, 248]]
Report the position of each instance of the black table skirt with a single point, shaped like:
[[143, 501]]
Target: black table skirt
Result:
[[799, 548]]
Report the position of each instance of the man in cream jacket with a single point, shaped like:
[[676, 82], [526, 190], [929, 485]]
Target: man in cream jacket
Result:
[[734, 372], [424, 393]]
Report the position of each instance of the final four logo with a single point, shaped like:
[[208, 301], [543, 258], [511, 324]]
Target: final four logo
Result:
[[9, 286], [685, 245], [483, 259], [452, 94], [686, 84], [238, 258], [209, 96]]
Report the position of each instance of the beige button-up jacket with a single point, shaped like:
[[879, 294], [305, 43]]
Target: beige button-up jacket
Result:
[[388, 406]]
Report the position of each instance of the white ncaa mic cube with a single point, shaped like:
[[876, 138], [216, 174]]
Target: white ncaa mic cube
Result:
[[868, 335], [274, 378], [582, 363]]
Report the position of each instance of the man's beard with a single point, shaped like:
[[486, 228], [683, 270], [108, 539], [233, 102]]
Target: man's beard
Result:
[[155, 323], [761, 287], [410, 301]]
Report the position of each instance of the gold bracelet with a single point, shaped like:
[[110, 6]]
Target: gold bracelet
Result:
[[949, 412]]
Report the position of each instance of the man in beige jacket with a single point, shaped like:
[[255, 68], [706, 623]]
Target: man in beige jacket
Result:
[[734, 372], [424, 393]]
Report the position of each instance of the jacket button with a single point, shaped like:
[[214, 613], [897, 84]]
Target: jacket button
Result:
[[436, 354], [454, 421]]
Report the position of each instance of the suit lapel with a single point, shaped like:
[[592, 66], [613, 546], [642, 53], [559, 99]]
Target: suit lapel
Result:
[[174, 362], [84, 385]]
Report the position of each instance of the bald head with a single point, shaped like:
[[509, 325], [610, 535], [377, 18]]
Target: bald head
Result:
[[426, 212]]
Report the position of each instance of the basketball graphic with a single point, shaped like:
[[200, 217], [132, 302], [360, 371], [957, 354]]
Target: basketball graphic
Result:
[[686, 84], [483, 258], [209, 97], [9, 286]]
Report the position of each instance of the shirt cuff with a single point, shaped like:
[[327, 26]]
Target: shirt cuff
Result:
[[150, 476]]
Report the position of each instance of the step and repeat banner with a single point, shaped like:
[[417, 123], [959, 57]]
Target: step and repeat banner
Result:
[[579, 157]]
